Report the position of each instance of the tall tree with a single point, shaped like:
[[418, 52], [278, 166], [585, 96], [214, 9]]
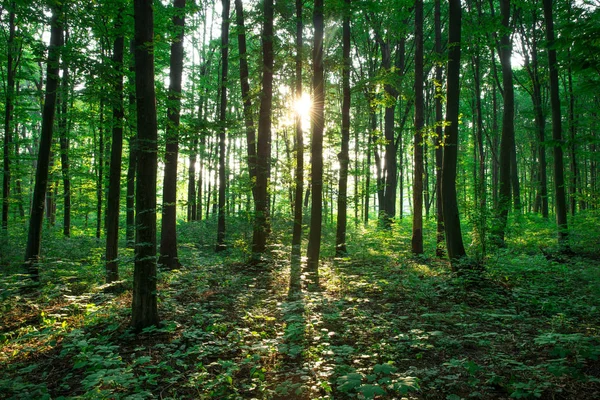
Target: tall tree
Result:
[[63, 128], [222, 128], [559, 180], [507, 143], [263, 149], [144, 304], [168, 232], [132, 159], [317, 126], [34, 236], [247, 102], [8, 111], [454, 242], [343, 156], [417, 229], [116, 155], [439, 131]]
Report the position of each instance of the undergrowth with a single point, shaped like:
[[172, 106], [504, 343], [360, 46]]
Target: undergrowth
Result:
[[385, 324]]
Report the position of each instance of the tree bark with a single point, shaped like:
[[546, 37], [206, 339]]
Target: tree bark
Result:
[[417, 228], [34, 236], [64, 143], [343, 156], [132, 162], [168, 233], [116, 154], [8, 113], [144, 304], [222, 128], [559, 181], [454, 242], [317, 121], [263, 151]]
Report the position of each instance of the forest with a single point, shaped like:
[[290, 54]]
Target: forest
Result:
[[343, 199]]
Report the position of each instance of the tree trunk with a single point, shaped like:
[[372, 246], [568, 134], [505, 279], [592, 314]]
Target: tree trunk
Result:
[[507, 144], [132, 162], [343, 156], [32, 253], [222, 128], [8, 113], [168, 232], [247, 103], [454, 243], [559, 181], [439, 137], [417, 228], [100, 170], [64, 143], [299, 174], [263, 152], [317, 121], [116, 154], [144, 304]]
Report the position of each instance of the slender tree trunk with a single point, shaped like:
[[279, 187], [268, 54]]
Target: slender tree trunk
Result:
[[168, 233], [144, 304], [132, 162], [8, 113], [343, 156], [100, 169], [299, 174], [64, 143], [559, 181], [263, 152], [439, 137], [508, 129], [247, 103], [391, 151], [116, 154], [454, 243], [317, 122], [222, 129], [417, 229], [572, 144], [32, 253]]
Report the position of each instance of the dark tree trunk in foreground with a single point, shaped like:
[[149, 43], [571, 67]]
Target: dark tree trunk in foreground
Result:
[[8, 113], [454, 243], [263, 149], [439, 137], [34, 236], [559, 180], [417, 229], [132, 162], [144, 310], [299, 174], [64, 143], [507, 143], [222, 128], [245, 85], [168, 231], [343, 156], [116, 153], [317, 121]]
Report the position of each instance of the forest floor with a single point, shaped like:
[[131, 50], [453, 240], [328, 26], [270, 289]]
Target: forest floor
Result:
[[384, 325]]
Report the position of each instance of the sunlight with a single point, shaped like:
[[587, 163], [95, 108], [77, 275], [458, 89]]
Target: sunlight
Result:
[[303, 105]]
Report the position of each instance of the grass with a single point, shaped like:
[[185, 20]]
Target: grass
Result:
[[385, 324]]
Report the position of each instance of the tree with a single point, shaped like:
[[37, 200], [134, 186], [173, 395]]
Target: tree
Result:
[[34, 236], [454, 242], [439, 136], [559, 180], [263, 149], [507, 143], [299, 173], [63, 129], [168, 232], [343, 157], [11, 65], [222, 128], [144, 305], [116, 153], [317, 125], [417, 229]]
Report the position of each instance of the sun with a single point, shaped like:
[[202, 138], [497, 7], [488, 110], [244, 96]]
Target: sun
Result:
[[303, 105]]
